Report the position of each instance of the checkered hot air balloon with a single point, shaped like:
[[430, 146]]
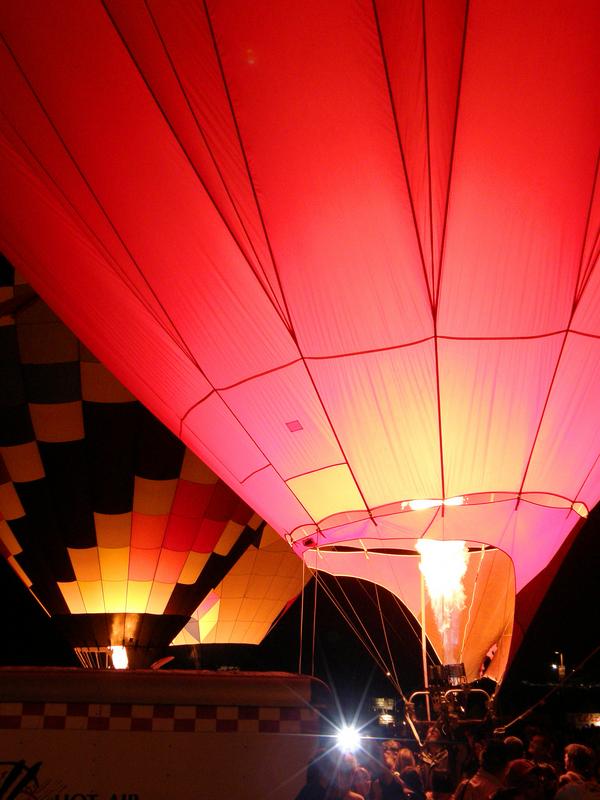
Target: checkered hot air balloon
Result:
[[114, 525]]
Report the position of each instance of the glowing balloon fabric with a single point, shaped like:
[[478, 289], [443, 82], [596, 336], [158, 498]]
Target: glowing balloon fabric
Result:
[[347, 251], [256, 591]]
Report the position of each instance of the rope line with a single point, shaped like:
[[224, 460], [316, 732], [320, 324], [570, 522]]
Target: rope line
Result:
[[552, 691]]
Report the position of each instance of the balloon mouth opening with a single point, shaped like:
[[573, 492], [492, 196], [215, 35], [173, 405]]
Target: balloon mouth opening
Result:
[[409, 547], [339, 527]]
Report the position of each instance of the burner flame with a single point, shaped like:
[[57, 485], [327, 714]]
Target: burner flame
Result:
[[443, 566]]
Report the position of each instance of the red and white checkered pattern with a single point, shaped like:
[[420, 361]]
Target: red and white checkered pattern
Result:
[[163, 717]]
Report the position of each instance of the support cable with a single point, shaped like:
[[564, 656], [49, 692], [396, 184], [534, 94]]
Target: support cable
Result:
[[380, 658], [553, 690], [369, 646], [301, 618], [314, 625], [411, 625], [383, 628]]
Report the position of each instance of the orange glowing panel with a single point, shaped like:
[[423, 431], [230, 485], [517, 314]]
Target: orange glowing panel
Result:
[[114, 563], [148, 530], [180, 533], [92, 594], [138, 595], [10, 505], [113, 530], [86, 564], [228, 538], [23, 462], [207, 624], [184, 637], [8, 538], [191, 499], [115, 596], [143, 563], [57, 422], [73, 597], [208, 535], [153, 497], [159, 597], [327, 491], [194, 564], [170, 564]]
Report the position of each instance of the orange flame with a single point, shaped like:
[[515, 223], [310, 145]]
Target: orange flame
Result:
[[443, 566]]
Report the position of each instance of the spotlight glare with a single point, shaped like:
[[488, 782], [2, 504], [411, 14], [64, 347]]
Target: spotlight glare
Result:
[[348, 739]]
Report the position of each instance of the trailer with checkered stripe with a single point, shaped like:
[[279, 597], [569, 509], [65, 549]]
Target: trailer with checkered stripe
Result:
[[70, 734]]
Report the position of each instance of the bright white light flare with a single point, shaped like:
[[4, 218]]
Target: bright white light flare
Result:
[[119, 658], [454, 501], [421, 505], [443, 566], [348, 739]]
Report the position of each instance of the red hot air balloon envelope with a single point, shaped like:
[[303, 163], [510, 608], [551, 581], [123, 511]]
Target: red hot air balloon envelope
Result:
[[346, 251]]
